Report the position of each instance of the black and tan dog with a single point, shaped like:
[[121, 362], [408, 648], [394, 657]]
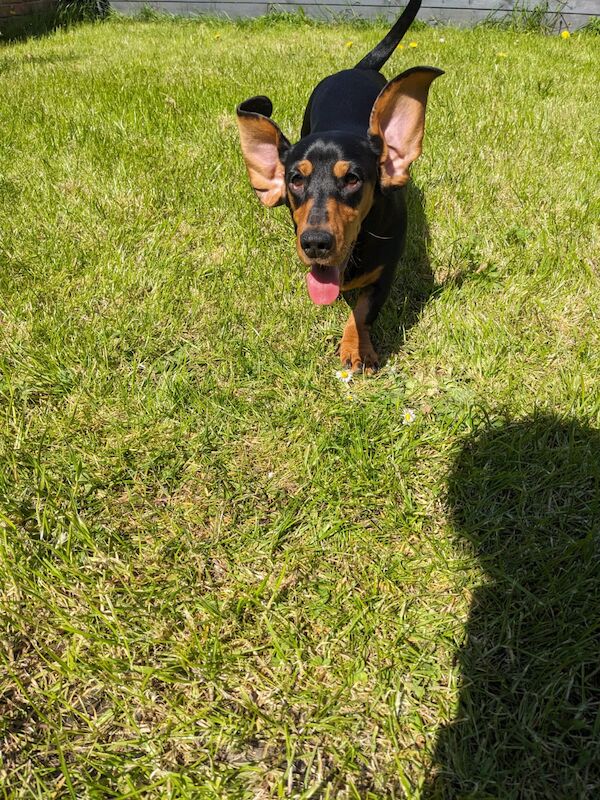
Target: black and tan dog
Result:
[[343, 181]]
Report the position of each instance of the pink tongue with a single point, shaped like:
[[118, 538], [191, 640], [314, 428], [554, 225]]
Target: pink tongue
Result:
[[323, 284]]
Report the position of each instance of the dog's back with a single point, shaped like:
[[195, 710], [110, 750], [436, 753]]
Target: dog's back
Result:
[[343, 101]]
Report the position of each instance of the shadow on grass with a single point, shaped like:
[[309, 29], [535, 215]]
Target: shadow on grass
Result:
[[526, 496], [49, 17], [413, 284], [11, 63]]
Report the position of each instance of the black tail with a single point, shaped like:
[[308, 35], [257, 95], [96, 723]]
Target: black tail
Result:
[[380, 54]]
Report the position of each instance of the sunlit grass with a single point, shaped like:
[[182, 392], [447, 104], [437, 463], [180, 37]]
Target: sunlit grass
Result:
[[224, 572]]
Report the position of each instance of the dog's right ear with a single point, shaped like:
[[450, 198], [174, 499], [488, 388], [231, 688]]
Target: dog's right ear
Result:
[[263, 146]]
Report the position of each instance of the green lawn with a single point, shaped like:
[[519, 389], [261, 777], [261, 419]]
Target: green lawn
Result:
[[225, 574]]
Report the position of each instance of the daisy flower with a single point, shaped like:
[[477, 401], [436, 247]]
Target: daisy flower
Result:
[[344, 375], [408, 416]]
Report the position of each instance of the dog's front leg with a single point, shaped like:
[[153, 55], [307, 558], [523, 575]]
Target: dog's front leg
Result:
[[356, 349]]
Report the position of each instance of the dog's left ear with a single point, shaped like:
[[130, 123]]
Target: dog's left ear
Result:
[[263, 146], [397, 123]]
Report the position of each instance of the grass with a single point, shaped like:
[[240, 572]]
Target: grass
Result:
[[222, 574]]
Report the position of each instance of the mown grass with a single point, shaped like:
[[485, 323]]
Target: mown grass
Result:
[[223, 574]]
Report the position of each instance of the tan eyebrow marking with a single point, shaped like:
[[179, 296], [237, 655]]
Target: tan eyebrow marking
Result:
[[305, 168], [340, 168]]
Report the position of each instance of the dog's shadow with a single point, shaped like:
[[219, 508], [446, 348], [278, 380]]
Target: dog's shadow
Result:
[[413, 285], [525, 498]]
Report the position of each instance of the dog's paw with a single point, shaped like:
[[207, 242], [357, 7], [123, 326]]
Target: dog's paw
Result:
[[359, 357]]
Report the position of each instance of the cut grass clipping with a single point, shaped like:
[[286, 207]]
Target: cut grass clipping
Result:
[[224, 573]]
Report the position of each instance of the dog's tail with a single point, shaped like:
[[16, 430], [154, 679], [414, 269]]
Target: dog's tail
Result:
[[380, 54]]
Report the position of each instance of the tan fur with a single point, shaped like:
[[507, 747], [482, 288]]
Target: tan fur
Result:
[[345, 221], [340, 168], [356, 348], [301, 215], [363, 280], [305, 168]]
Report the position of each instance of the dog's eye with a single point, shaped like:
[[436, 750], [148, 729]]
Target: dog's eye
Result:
[[297, 182], [351, 180]]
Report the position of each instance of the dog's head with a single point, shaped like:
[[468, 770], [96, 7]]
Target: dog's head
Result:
[[329, 181]]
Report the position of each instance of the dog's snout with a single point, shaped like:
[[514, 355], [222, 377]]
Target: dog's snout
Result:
[[316, 243]]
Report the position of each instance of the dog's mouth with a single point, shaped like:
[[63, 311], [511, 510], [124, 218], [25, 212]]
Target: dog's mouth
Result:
[[323, 282]]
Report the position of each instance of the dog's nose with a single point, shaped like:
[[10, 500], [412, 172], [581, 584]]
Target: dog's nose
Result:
[[316, 243]]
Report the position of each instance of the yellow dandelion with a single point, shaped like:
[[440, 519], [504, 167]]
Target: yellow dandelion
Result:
[[412, 44], [565, 35], [502, 55], [349, 44]]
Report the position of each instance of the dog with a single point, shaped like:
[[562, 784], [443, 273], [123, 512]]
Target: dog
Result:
[[344, 181]]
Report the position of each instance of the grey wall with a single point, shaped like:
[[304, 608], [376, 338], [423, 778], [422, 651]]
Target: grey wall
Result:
[[574, 13]]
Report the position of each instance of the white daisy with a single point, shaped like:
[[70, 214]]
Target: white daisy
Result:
[[408, 416], [344, 375]]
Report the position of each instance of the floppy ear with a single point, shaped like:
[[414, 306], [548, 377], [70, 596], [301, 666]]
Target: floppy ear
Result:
[[398, 121], [263, 144]]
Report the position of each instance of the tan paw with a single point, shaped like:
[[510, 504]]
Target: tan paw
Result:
[[359, 356]]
